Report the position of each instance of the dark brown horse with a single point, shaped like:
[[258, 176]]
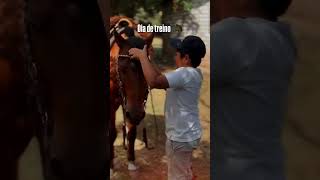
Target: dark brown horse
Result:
[[67, 42], [18, 123], [128, 86]]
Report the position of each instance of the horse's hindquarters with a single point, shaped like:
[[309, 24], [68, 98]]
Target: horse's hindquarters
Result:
[[70, 50]]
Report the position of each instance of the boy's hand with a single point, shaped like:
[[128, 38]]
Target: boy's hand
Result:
[[136, 53]]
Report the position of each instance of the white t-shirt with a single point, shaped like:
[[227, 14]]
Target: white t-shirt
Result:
[[181, 107]]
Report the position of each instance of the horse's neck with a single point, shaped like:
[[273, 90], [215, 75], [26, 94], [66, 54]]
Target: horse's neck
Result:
[[114, 52]]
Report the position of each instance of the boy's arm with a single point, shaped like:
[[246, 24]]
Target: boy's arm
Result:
[[151, 57], [156, 68], [153, 77]]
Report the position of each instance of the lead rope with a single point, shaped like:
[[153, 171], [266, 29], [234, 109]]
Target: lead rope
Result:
[[33, 91]]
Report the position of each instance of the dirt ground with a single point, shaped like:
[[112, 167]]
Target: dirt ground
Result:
[[152, 163]]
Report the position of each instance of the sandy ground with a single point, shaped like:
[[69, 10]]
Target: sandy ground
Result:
[[152, 163], [30, 163]]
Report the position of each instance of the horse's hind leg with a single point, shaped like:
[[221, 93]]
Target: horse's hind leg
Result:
[[132, 134]]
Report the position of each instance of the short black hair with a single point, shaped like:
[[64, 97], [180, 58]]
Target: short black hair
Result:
[[193, 46], [195, 60], [274, 8]]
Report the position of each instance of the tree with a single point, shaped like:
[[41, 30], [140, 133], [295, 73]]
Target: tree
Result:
[[154, 12]]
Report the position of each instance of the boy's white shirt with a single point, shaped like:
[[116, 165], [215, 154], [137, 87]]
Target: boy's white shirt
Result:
[[181, 106]]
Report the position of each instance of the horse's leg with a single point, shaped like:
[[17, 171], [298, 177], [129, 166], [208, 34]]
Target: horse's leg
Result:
[[114, 103], [132, 134], [113, 136], [124, 135], [124, 130], [144, 137]]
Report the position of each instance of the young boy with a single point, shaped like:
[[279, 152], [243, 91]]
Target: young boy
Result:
[[183, 129], [253, 56]]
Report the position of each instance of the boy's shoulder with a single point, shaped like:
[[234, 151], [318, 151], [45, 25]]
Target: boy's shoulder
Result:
[[230, 25], [191, 73], [189, 70]]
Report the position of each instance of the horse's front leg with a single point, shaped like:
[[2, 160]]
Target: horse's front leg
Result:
[[132, 134], [112, 136]]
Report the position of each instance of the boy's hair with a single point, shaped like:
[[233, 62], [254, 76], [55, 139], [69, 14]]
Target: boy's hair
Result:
[[195, 60], [274, 8], [193, 46]]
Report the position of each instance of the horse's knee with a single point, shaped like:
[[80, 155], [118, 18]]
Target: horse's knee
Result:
[[132, 134]]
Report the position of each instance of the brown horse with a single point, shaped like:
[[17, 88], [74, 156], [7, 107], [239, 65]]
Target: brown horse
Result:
[[128, 86], [18, 123], [64, 36]]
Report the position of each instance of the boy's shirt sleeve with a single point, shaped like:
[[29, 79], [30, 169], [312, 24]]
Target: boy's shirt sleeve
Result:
[[176, 79], [229, 50]]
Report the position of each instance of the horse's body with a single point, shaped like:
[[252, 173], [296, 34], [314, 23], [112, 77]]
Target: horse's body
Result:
[[67, 40], [17, 125], [134, 87]]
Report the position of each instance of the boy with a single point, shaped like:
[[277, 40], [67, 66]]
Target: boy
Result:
[[183, 129], [253, 55]]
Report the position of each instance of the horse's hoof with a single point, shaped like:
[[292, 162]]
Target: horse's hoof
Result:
[[132, 166]]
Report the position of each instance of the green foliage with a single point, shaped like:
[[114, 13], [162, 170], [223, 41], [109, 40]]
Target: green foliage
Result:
[[148, 10], [184, 5], [143, 16]]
